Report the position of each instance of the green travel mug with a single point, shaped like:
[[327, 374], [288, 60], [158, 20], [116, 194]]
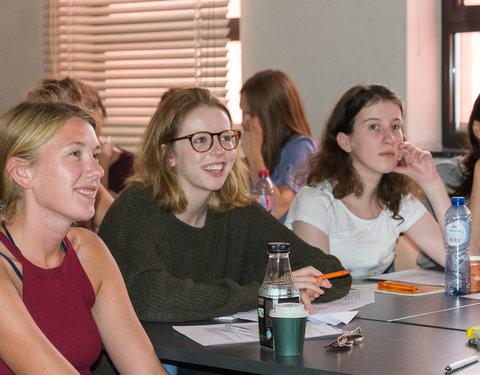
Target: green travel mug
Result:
[[289, 321]]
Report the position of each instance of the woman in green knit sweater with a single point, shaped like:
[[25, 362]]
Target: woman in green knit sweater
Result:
[[189, 239]]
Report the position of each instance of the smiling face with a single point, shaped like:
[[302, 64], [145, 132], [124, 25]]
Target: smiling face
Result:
[[373, 144], [201, 173], [66, 176]]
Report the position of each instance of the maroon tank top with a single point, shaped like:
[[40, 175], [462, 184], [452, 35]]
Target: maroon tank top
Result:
[[60, 301]]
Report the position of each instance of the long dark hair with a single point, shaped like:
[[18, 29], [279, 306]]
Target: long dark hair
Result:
[[273, 97], [473, 154], [334, 165]]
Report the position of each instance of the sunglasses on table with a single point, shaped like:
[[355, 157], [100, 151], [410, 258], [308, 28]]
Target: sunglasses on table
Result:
[[348, 339], [203, 141]]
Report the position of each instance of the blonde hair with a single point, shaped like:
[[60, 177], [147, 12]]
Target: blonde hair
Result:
[[24, 128], [151, 165]]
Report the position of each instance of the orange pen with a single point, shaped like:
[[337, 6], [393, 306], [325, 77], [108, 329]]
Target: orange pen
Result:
[[389, 285], [333, 274]]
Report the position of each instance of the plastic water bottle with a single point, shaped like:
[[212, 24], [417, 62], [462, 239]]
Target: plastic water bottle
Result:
[[457, 231], [264, 190], [277, 287]]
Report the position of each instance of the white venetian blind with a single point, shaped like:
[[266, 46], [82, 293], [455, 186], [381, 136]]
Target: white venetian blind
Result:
[[132, 51]]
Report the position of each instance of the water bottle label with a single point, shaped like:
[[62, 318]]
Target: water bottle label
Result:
[[266, 201], [457, 233]]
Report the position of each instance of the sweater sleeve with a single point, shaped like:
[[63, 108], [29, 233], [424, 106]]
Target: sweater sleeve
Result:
[[131, 231], [301, 253]]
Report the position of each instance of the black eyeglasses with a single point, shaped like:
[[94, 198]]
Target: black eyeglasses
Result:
[[203, 141]]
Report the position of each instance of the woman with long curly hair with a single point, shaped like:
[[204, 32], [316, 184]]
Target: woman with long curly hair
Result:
[[362, 186]]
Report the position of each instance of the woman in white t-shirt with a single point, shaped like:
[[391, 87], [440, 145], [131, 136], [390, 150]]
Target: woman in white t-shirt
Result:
[[362, 186]]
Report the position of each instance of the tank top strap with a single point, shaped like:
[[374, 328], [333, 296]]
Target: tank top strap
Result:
[[13, 250], [11, 247]]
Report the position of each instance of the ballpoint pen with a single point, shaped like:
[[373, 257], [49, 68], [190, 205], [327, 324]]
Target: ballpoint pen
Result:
[[333, 274], [389, 285], [461, 363]]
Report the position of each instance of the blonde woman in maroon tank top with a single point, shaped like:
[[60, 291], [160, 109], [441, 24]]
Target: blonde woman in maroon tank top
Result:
[[61, 293]]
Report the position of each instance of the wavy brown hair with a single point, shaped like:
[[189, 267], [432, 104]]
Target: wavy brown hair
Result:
[[334, 165], [273, 97], [151, 164], [472, 155]]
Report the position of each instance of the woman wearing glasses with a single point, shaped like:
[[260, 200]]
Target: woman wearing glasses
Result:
[[189, 239]]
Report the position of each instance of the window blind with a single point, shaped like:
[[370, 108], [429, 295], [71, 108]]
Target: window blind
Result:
[[133, 51]]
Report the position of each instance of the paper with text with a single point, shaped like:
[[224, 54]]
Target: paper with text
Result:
[[419, 276], [240, 333]]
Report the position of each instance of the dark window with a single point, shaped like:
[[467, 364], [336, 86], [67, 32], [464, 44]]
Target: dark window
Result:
[[460, 67]]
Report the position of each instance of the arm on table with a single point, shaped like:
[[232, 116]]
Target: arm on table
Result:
[[427, 233]]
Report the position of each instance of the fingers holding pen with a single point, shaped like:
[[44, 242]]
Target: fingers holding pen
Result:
[[307, 280]]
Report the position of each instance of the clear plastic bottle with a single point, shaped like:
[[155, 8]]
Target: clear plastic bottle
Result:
[[264, 190], [457, 231], [277, 287]]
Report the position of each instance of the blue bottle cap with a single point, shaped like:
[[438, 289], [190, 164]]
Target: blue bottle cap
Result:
[[458, 201]]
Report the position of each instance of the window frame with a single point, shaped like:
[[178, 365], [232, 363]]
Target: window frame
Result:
[[456, 17]]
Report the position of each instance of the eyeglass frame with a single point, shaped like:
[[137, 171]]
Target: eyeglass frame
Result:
[[348, 339], [190, 136]]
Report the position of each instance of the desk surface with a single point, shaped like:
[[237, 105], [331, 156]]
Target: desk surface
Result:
[[388, 347], [390, 307]]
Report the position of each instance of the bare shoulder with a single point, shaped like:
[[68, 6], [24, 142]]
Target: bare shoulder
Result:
[[85, 241], [93, 254]]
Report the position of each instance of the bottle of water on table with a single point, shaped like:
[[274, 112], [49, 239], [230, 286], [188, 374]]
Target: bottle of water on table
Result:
[[264, 190], [457, 231], [277, 287]]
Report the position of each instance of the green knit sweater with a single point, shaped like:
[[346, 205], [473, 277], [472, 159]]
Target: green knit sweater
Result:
[[175, 272]]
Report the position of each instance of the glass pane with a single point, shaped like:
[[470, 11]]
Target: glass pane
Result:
[[471, 2], [466, 75]]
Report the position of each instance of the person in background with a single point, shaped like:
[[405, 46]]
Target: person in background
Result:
[[276, 135], [73, 91], [360, 192], [461, 177], [188, 237], [115, 161], [61, 292]]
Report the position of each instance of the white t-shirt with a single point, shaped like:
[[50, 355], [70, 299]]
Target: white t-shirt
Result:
[[365, 247]]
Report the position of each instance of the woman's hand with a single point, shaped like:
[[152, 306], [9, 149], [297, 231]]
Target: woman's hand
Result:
[[420, 166], [252, 138], [309, 285]]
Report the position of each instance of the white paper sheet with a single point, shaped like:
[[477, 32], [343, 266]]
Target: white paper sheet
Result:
[[419, 276], [352, 301], [339, 310], [473, 296], [238, 333], [334, 318]]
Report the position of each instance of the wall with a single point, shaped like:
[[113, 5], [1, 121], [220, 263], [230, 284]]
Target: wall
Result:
[[424, 73], [328, 46], [21, 43], [325, 45]]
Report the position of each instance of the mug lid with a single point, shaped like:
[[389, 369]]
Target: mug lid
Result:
[[289, 310]]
